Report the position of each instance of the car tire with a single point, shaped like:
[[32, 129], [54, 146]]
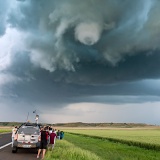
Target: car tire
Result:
[[14, 150]]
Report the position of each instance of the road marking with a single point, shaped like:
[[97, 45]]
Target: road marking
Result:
[[5, 133], [6, 145]]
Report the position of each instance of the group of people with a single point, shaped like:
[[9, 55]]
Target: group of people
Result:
[[47, 139], [60, 134]]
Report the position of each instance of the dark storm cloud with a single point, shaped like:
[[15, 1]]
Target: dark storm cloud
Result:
[[3, 16], [91, 83], [77, 49], [61, 33]]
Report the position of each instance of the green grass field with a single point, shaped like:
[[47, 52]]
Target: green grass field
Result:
[[77, 147], [150, 136], [65, 150]]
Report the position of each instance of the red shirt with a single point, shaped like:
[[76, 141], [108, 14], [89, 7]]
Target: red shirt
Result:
[[52, 137]]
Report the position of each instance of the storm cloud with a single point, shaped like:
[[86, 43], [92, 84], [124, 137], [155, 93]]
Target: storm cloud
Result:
[[60, 34], [54, 53]]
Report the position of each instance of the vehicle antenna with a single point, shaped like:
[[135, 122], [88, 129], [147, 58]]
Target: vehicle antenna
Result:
[[27, 117]]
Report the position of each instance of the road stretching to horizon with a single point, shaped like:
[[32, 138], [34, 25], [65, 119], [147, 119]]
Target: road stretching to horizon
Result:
[[6, 152]]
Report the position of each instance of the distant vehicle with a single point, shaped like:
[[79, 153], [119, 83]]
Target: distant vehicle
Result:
[[27, 137]]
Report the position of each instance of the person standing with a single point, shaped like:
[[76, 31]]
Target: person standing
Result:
[[55, 131], [43, 142], [13, 134], [58, 134], [61, 135], [52, 139], [50, 130]]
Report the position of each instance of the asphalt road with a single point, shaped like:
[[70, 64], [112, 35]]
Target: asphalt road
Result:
[[5, 138], [6, 152]]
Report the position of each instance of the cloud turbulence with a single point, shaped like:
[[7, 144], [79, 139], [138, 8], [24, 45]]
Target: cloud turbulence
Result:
[[59, 53]]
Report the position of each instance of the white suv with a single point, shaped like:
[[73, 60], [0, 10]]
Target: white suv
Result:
[[26, 137]]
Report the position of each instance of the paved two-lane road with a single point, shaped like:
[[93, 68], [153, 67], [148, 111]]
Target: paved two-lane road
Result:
[[6, 152], [5, 139]]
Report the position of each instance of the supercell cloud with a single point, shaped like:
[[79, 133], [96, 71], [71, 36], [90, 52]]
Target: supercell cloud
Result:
[[60, 34], [72, 51]]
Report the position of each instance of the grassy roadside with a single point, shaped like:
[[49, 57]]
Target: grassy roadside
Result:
[[65, 150], [76, 147]]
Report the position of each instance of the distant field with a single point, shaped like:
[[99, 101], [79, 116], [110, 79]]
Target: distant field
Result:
[[5, 130], [151, 136]]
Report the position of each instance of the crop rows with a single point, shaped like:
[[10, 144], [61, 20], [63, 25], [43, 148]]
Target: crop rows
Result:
[[128, 142]]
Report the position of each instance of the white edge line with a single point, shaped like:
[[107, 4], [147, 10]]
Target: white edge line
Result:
[[6, 145], [5, 133]]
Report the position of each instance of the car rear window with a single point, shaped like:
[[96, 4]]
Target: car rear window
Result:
[[28, 130]]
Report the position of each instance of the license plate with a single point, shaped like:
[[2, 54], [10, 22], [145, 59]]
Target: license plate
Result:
[[26, 146]]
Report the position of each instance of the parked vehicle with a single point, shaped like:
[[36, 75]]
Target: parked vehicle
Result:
[[27, 136]]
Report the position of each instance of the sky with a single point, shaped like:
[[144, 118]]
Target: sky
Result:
[[80, 61]]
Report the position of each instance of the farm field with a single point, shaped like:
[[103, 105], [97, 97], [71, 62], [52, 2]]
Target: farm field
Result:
[[5, 130], [149, 136], [77, 147]]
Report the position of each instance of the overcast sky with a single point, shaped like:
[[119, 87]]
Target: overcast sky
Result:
[[80, 61]]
